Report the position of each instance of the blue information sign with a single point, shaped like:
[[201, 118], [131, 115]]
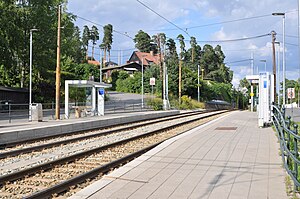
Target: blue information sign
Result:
[[101, 91]]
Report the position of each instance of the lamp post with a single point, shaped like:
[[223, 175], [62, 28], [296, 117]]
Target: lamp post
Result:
[[265, 61], [198, 83], [142, 82], [278, 70], [30, 75], [283, 53]]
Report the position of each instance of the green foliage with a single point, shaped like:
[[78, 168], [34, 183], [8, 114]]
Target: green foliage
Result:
[[16, 21], [187, 103], [114, 78], [155, 103], [142, 41], [152, 71], [107, 38], [129, 84], [123, 75]]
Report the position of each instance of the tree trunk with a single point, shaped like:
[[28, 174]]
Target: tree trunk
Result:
[[104, 57], [93, 51], [87, 53]]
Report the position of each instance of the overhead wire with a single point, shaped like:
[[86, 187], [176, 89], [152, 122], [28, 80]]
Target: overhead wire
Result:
[[229, 21], [229, 40], [185, 31], [116, 31]]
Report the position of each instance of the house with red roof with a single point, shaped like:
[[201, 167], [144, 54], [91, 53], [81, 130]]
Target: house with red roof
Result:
[[146, 59], [134, 64]]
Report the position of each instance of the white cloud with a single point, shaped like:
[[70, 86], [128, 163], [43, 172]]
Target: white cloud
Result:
[[130, 16]]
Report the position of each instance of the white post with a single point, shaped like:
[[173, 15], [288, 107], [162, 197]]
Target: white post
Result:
[[100, 67], [165, 104], [94, 90], [66, 99], [299, 47], [30, 78], [283, 58], [142, 82], [198, 83], [252, 98], [278, 72]]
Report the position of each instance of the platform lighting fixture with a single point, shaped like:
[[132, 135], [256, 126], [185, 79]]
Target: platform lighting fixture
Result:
[[30, 74], [283, 53]]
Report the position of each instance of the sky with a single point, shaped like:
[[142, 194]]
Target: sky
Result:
[[210, 21]]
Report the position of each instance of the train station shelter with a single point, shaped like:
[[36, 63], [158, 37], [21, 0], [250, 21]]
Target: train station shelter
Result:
[[97, 93]]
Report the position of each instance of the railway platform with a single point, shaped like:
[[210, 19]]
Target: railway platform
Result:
[[230, 157], [22, 131]]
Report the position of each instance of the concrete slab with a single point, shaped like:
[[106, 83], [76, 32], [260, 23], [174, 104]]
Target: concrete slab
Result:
[[25, 131], [203, 163]]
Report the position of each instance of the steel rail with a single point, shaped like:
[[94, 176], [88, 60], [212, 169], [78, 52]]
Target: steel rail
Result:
[[48, 165], [66, 141], [12, 144], [65, 185]]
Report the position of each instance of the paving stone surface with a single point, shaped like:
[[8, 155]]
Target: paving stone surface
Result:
[[203, 163]]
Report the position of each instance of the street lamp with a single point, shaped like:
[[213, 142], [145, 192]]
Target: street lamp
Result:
[[142, 82], [30, 75], [278, 70], [283, 53], [198, 83], [265, 61]]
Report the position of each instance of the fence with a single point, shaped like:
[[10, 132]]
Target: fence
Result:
[[287, 132], [20, 112]]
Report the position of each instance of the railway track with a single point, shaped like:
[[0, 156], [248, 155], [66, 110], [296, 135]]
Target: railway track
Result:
[[12, 164], [34, 145], [56, 176]]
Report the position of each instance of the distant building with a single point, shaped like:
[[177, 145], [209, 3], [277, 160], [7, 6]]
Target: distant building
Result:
[[133, 65], [144, 58]]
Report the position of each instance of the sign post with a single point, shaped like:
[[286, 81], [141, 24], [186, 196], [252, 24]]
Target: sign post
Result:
[[152, 83], [291, 95]]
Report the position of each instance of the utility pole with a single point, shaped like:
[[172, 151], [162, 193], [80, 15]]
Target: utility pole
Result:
[[160, 60], [198, 83], [179, 86], [274, 61], [57, 94], [100, 67], [251, 91]]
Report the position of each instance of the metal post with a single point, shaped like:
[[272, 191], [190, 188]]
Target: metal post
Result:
[[274, 62], [299, 49], [198, 83], [57, 83], [283, 57], [30, 78], [283, 53], [9, 113], [100, 67], [142, 82], [251, 109], [278, 71], [296, 155]]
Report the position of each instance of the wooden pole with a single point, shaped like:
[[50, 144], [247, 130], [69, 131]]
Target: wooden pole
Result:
[[179, 86], [57, 94]]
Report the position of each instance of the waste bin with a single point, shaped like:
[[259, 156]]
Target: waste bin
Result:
[[77, 112], [37, 112]]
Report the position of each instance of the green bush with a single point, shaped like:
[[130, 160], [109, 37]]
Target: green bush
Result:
[[156, 104], [187, 103]]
